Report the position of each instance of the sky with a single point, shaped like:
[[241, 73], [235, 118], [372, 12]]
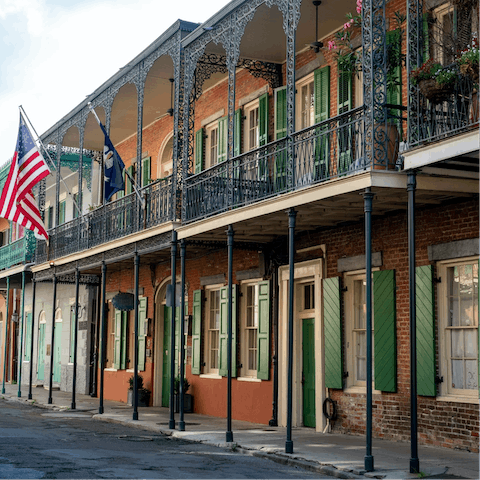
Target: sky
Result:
[[54, 53]]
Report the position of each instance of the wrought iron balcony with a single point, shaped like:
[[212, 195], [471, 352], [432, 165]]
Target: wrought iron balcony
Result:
[[330, 149], [109, 222], [18, 252]]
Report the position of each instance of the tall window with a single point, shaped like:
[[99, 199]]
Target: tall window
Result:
[[251, 328], [305, 103], [213, 330], [212, 145], [251, 129]]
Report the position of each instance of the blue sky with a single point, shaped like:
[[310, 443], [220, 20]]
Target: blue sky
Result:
[[53, 53]]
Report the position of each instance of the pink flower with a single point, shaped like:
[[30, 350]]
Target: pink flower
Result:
[[359, 6], [331, 45], [346, 25]]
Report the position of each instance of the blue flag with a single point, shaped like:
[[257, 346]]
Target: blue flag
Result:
[[113, 168]]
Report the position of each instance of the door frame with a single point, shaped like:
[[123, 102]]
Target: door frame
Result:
[[304, 272]]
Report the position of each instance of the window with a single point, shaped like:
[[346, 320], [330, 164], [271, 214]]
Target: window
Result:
[[305, 103], [249, 340], [213, 331], [251, 129], [459, 328], [443, 34], [74, 205], [61, 212]]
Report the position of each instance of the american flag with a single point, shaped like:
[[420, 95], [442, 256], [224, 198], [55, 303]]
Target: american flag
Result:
[[17, 202]]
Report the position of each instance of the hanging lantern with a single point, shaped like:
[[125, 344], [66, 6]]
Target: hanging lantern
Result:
[[124, 301]]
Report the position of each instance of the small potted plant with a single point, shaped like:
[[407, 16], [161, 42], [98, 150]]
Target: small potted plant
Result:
[[435, 82], [187, 399], [143, 393], [468, 61]]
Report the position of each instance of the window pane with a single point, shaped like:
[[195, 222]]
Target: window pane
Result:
[[361, 369], [471, 374], [457, 343], [252, 349], [457, 374], [360, 306], [466, 311], [453, 319], [471, 343]]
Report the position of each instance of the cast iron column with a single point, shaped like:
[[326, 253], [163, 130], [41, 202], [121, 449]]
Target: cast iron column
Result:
[[75, 338], [368, 200], [22, 323], [411, 186], [229, 433], [135, 346], [181, 423], [171, 423], [102, 335], [32, 335], [52, 343], [292, 214], [6, 339]]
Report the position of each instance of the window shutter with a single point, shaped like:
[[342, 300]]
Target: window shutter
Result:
[[123, 341], [426, 368], [280, 132], [196, 331], [345, 133], [61, 213], [128, 183], [146, 171], [199, 151], [263, 332], [28, 337], [321, 87], [224, 331], [222, 139], [117, 349], [344, 92], [385, 342], [263, 119], [142, 317], [426, 38], [237, 142], [332, 321]]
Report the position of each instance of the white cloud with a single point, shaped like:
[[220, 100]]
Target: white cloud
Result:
[[32, 10]]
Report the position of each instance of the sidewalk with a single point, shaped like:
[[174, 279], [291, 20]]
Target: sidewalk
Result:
[[335, 455]]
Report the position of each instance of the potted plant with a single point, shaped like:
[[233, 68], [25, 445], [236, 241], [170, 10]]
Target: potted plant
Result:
[[143, 393], [468, 61], [187, 399], [434, 81]]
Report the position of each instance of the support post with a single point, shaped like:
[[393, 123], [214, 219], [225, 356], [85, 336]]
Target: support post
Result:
[[135, 346], [75, 338], [22, 323], [368, 200], [102, 335], [229, 433], [32, 333], [411, 186], [273, 422], [52, 342], [181, 347], [292, 214], [171, 423], [6, 338]]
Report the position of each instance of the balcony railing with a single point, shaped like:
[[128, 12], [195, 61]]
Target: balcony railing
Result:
[[18, 252], [454, 112], [332, 148], [114, 220]]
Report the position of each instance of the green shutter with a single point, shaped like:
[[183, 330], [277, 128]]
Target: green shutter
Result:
[[321, 87], [385, 342], [196, 331], [117, 349], [237, 141], [224, 331], [222, 139], [332, 321], [61, 212], [28, 337], [142, 317], [280, 132], [199, 151], [128, 183], [146, 171], [345, 133], [425, 304], [263, 332], [426, 38], [263, 119], [123, 341]]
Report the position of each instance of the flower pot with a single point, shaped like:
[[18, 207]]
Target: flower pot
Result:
[[187, 403], [143, 397], [434, 92], [390, 134]]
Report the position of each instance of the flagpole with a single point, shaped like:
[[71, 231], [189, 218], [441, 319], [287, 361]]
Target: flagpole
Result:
[[132, 181], [22, 112]]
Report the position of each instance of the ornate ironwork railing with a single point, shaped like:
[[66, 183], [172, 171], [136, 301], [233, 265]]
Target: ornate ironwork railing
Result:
[[455, 111], [329, 149], [18, 252], [116, 219]]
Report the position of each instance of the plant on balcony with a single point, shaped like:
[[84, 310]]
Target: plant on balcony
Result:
[[434, 81], [468, 61]]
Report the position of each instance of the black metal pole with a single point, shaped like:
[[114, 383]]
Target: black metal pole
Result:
[[135, 347], [292, 214], [411, 186], [229, 433], [368, 200], [181, 423], [52, 343], [273, 422], [171, 423], [6, 338], [75, 338], [102, 335], [22, 323], [32, 336]]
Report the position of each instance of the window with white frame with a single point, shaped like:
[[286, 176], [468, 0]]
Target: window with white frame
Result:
[[212, 331], [211, 147], [250, 329], [251, 126], [444, 34], [305, 102], [458, 333]]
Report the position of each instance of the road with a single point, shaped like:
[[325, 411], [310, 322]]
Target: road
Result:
[[37, 443]]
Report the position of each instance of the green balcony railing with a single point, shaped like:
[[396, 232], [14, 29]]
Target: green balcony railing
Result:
[[18, 252]]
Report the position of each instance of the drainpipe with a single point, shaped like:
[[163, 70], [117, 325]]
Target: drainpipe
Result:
[[32, 333], [20, 356], [171, 423], [6, 338], [274, 289], [181, 423], [102, 335], [135, 345], [52, 343], [229, 433], [75, 338]]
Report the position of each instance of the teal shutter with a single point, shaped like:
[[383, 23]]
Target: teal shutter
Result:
[[280, 132], [345, 133], [61, 212], [224, 331], [123, 341], [146, 172], [263, 119], [394, 77], [263, 332], [321, 87], [142, 317], [237, 141], [425, 304], [222, 139], [199, 151], [385, 342], [196, 331], [426, 38], [332, 324], [117, 348], [128, 183], [28, 337]]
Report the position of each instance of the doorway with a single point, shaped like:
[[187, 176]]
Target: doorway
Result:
[[41, 347], [308, 372], [57, 346]]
